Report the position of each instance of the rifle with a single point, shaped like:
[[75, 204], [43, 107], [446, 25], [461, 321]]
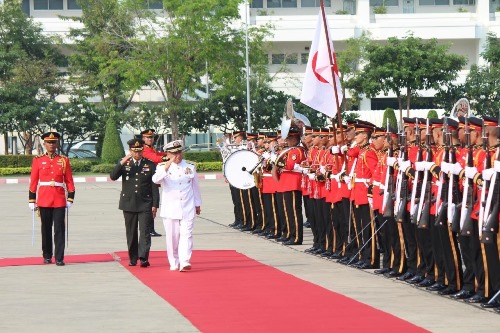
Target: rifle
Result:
[[466, 225], [388, 200], [444, 180], [454, 197], [423, 215], [491, 210], [486, 184], [417, 182], [402, 182]]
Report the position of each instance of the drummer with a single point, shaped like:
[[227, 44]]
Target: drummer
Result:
[[236, 196]]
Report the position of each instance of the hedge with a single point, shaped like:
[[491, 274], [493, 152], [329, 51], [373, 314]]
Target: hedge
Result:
[[21, 164]]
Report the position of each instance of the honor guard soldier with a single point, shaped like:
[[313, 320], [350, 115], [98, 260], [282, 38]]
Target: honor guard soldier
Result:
[[139, 199], [289, 194], [51, 191], [149, 152], [361, 196]]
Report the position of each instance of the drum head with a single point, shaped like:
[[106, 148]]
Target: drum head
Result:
[[237, 167]]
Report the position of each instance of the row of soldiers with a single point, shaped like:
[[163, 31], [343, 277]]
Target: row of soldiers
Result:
[[420, 206]]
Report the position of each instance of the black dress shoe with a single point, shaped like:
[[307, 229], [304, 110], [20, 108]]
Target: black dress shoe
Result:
[[365, 266], [392, 274], [273, 236], [416, 279], [492, 305], [132, 263], [319, 251], [436, 287], [497, 310], [336, 255], [307, 224], [447, 292], [47, 261], [406, 276], [326, 254], [463, 294], [311, 249], [292, 242], [246, 229], [476, 299], [60, 263], [382, 271], [425, 283], [145, 263], [256, 231], [155, 234]]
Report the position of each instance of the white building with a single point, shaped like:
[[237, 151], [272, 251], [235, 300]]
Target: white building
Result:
[[462, 23]]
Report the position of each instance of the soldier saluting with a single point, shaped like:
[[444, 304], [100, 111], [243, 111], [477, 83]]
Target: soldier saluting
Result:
[[51, 191]]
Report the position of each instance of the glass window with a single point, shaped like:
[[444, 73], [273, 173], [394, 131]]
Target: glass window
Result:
[[56, 4], [291, 59], [281, 3], [464, 2], [289, 3], [277, 59], [48, 4], [257, 4], [434, 2], [26, 7], [304, 57], [315, 3], [41, 4], [155, 4], [72, 4], [378, 3]]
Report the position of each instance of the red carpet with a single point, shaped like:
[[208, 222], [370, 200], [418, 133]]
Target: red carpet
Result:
[[68, 259], [229, 292]]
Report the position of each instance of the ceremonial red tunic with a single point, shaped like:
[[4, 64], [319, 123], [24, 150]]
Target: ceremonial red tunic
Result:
[[151, 154], [51, 173], [290, 180], [367, 162]]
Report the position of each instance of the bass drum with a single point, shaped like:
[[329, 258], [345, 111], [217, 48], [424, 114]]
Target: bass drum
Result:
[[239, 167]]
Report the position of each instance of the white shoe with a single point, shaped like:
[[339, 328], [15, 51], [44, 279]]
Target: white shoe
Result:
[[174, 268], [185, 268]]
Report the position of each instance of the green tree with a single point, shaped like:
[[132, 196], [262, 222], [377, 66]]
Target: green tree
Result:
[[389, 117], [101, 65], [28, 71], [432, 114], [112, 148], [404, 66], [199, 38], [350, 62]]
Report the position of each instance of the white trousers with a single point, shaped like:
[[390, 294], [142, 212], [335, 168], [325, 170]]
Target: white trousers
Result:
[[179, 238]]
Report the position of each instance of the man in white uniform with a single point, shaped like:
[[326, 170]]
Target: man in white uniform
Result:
[[181, 199]]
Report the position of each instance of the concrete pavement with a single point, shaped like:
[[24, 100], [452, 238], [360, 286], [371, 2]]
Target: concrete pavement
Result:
[[98, 297]]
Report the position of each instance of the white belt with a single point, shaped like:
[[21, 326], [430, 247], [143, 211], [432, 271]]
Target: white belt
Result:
[[266, 175], [376, 183], [361, 180], [52, 183], [297, 171]]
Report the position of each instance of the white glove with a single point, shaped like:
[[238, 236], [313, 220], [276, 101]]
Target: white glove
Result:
[[266, 155], [488, 173], [470, 172], [445, 167], [311, 176], [456, 168], [428, 165], [68, 204], [305, 171], [336, 177], [322, 169], [347, 179], [343, 149], [391, 161], [403, 165], [297, 167], [335, 149], [496, 166], [32, 205], [370, 202], [419, 166]]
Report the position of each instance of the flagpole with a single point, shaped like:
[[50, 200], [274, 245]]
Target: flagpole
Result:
[[339, 120]]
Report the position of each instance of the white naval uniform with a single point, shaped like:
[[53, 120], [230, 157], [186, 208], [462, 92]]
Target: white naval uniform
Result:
[[181, 194]]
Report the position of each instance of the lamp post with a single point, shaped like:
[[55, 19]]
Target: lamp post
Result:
[[249, 121]]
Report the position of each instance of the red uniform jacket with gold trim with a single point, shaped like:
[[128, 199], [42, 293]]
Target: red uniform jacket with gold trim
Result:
[[289, 179], [51, 170], [367, 162]]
